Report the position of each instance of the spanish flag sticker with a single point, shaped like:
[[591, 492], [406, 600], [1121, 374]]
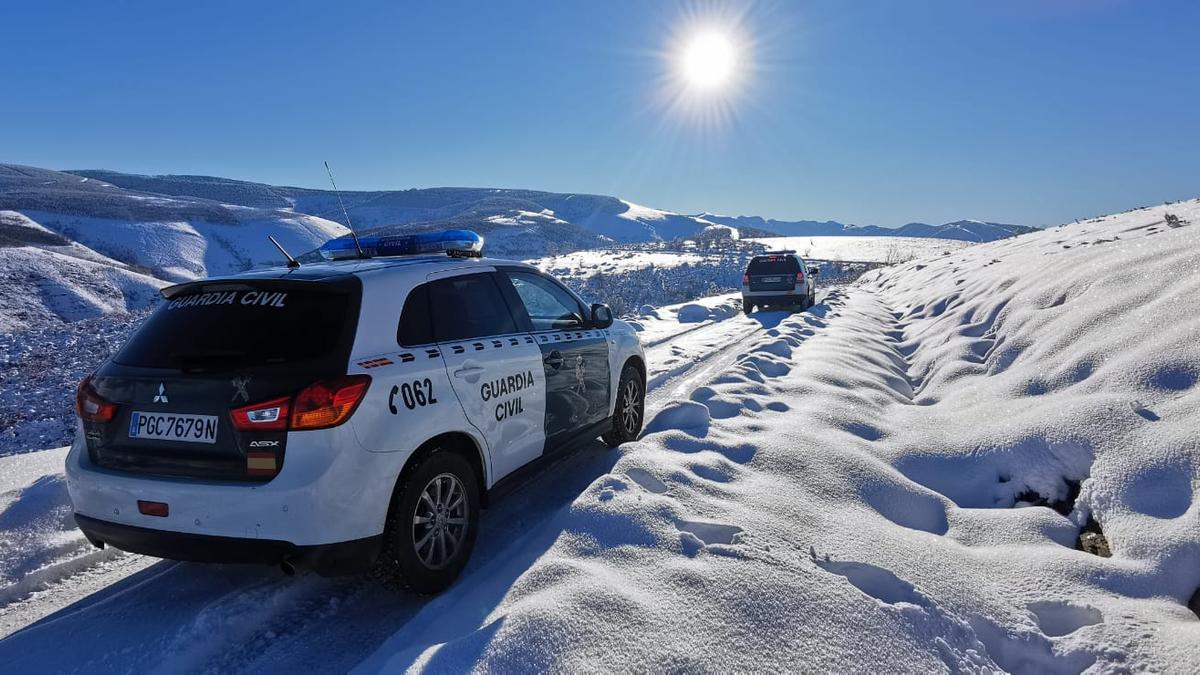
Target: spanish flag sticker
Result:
[[261, 464]]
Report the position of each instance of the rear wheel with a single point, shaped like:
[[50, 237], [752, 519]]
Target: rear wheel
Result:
[[432, 525], [630, 409], [747, 307]]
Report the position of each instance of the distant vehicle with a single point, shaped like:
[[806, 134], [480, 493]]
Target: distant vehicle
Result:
[[779, 279], [346, 414]]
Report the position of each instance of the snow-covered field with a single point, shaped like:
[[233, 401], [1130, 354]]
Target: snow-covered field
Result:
[[863, 486], [889, 250]]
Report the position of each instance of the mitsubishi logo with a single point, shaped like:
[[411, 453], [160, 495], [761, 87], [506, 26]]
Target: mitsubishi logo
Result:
[[161, 396]]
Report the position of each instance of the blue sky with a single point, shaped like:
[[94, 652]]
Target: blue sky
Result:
[[871, 112]]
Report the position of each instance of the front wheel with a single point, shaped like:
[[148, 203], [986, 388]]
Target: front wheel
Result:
[[630, 409], [432, 525]]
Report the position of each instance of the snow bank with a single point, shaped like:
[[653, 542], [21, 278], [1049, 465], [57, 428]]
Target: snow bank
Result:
[[39, 544], [840, 498]]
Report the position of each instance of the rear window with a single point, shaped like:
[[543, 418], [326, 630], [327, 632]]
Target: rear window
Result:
[[233, 328], [773, 264]]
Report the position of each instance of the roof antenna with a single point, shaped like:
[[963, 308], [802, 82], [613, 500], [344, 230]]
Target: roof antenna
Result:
[[292, 262], [357, 246]]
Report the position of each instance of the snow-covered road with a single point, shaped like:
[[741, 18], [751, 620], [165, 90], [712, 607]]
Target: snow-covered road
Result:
[[124, 612]]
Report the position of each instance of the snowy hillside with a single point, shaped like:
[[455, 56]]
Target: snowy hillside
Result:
[[48, 279], [173, 238], [980, 461]]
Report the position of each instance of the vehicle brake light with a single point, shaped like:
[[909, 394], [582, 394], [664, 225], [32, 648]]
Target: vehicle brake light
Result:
[[745, 279], [328, 403], [799, 277], [265, 416], [89, 406]]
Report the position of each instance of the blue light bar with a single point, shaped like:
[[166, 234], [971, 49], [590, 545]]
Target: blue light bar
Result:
[[455, 243]]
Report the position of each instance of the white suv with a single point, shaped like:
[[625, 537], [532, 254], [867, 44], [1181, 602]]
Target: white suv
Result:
[[779, 279], [344, 414]]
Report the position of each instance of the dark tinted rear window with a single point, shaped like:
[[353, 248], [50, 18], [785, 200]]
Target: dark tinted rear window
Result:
[[773, 264], [469, 306], [235, 328]]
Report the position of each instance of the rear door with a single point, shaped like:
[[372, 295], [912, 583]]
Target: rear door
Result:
[[210, 349], [495, 368], [773, 273], [574, 356]]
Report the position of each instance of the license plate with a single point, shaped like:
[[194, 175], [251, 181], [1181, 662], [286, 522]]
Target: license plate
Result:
[[173, 427], [771, 280]]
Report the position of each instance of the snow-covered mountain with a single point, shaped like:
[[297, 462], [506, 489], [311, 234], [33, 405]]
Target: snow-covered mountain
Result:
[[546, 222], [170, 237], [963, 230], [609, 217]]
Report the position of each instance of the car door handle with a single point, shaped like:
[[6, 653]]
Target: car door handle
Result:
[[469, 370], [554, 359]]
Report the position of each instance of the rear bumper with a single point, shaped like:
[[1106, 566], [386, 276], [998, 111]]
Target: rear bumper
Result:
[[774, 297], [328, 491], [346, 557]]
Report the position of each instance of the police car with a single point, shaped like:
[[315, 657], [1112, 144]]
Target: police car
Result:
[[347, 414], [778, 279]]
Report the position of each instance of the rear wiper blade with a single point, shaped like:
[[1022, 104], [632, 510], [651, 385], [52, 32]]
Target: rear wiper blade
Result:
[[205, 357]]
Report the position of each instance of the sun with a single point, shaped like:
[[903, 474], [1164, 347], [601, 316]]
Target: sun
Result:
[[708, 60]]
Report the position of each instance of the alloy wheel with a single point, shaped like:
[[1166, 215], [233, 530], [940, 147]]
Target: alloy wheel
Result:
[[440, 521], [631, 412]]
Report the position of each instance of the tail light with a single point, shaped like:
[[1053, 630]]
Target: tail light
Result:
[[799, 277], [266, 416], [90, 406], [328, 403], [320, 405], [745, 279]]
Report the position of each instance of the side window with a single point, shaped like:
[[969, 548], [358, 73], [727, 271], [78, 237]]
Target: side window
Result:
[[469, 306], [548, 304], [416, 327]]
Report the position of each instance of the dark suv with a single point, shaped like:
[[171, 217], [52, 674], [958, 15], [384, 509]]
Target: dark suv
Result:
[[778, 279]]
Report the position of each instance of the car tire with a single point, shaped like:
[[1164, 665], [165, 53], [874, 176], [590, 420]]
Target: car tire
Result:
[[630, 411], [419, 552], [747, 307]]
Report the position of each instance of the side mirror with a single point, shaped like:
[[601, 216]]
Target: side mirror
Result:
[[814, 271], [601, 316]]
